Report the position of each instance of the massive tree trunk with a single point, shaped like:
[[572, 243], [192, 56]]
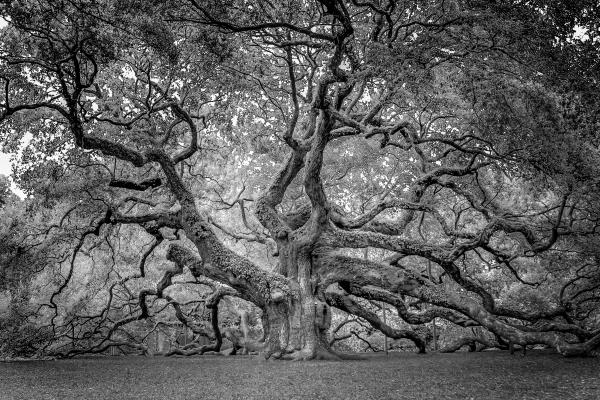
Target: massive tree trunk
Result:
[[308, 317], [296, 320]]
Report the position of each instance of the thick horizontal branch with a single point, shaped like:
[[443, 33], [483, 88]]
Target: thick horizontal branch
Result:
[[347, 304], [169, 219], [139, 186], [373, 293], [334, 268], [251, 282]]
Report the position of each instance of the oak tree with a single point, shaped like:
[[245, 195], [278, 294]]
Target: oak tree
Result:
[[455, 139]]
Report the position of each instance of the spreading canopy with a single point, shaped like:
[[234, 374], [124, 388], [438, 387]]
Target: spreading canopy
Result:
[[454, 140]]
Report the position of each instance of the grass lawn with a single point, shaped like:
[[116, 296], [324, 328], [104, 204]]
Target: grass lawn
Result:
[[487, 375]]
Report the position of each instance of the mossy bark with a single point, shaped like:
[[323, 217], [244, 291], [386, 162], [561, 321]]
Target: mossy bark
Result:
[[303, 321]]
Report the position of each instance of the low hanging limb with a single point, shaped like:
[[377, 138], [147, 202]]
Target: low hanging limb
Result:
[[470, 341], [335, 269], [212, 303], [373, 293], [347, 304]]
